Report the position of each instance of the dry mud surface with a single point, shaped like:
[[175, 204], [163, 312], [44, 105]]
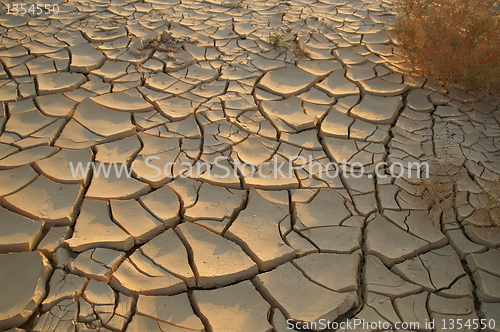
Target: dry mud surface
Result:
[[192, 81]]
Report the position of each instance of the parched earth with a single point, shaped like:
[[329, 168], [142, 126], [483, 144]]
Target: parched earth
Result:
[[187, 82]]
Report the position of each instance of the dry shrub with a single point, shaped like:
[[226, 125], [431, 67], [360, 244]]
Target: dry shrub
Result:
[[455, 41], [437, 190]]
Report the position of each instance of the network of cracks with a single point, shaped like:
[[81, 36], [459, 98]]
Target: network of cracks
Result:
[[191, 81]]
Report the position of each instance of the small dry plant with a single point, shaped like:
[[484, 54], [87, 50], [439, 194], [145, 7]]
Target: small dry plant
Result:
[[454, 41], [168, 43], [437, 190], [434, 190], [228, 4], [278, 40]]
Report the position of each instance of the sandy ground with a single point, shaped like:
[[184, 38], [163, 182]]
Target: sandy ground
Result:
[[171, 84]]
